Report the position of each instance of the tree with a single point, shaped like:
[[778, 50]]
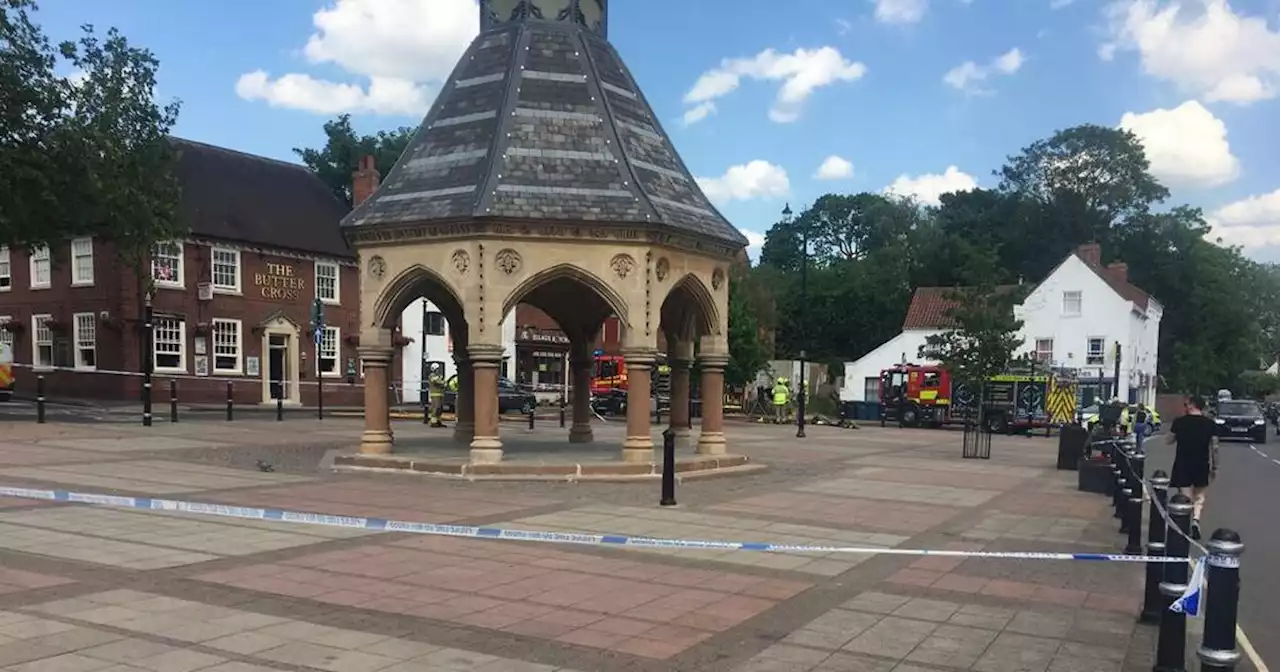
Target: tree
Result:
[[984, 335], [87, 155], [344, 148], [748, 352]]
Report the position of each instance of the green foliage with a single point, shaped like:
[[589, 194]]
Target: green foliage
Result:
[[748, 354], [87, 155], [1259, 384], [984, 335], [337, 160]]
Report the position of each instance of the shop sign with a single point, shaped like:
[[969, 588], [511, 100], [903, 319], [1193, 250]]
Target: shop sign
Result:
[[279, 283], [538, 336]]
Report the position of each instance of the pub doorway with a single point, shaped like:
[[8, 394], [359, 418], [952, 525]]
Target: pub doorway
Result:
[[278, 375]]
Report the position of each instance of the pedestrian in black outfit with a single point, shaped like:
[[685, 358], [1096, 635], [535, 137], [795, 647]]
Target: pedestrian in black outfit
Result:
[[1195, 463]]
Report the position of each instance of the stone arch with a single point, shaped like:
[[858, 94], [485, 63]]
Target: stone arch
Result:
[[549, 286], [417, 281], [690, 308]]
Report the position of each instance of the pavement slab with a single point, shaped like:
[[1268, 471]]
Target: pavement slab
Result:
[[842, 512], [156, 477], [389, 501], [937, 495]]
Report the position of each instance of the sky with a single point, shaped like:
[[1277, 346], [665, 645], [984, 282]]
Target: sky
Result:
[[773, 103]]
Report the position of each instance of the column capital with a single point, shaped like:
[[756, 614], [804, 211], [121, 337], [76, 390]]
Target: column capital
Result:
[[639, 356], [375, 355], [712, 360], [491, 354]]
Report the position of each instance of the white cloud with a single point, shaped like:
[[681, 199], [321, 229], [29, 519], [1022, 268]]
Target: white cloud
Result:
[[843, 26], [1059, 4], [1187, 146], [1251, 222], [1215, 52], [900, 11], [969, 76], [834, 168], [801, 73], [699, 112], [755, 179], [403, 48], [929, 188], [755, 241]]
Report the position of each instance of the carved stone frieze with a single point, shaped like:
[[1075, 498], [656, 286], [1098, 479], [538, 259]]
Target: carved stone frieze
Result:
[[508, 261], [461, 261], [622, 265]]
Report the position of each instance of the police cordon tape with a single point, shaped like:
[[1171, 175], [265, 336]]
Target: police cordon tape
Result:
[[1150, 496], [433, 529]]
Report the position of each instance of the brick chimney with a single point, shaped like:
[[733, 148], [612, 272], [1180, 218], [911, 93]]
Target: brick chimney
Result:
[[364, 181], [1119, 271], [1091, 253]]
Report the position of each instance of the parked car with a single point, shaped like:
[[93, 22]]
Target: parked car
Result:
[[1090, 416], [511, 398], [1241, 419]]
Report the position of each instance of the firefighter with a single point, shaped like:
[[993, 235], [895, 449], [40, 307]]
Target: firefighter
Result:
[[781, 397], [435, 387]]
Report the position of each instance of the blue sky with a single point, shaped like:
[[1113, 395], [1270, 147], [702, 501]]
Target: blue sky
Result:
[[922, 96]]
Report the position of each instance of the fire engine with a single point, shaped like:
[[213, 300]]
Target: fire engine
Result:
[[924, 395], [610, 374]]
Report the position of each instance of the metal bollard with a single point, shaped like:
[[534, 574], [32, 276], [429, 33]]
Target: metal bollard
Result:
[[1134, 514], [1126, 494], [562, 411], [1117, 491], [532, 411], [280, 408], [230, 400], [40, 400], [1218, 648], [1171, 646], [668, 468], [657, 411], [1155, 546], [173, 400]]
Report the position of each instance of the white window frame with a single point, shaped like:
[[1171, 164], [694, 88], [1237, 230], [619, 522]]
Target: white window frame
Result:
[[1042, 355], [6, 269], [36, 321], [337, 282], [41, 255], [222, 288], [1078, 296], [182, 345], [6, 336], [77, 338], [76, 279], [1102, 352], [179, 272], [238, 328], [337, 353]]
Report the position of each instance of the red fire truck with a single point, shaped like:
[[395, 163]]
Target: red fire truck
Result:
[[916, 395]]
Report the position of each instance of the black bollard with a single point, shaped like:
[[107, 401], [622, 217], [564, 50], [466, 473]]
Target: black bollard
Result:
[[280, 408], [1117, 492], [657, 411], [230, 400], [532, 410], [1126, 494], [668, 468], [1155, 546], [1218, 648], [562, 411], [173, 400], [1134, 545], [40, 400], [1171, 646]]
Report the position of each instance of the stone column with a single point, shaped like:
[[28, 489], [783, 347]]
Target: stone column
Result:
[[711, 441], [638, 446], [486, 444], [581, 365], [681, 360], [376, 439], [464, 426]]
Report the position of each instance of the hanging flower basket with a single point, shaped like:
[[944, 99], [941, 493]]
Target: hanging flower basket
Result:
[[400, 340], [56, 325], [13, 327], [203, 329]]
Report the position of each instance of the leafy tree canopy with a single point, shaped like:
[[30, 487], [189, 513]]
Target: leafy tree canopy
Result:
[[344, 147]]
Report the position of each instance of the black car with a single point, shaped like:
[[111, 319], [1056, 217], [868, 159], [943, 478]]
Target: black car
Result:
[[1241, 420], [510, 398]]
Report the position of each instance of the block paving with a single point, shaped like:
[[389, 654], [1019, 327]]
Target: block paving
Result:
[[88, 589]]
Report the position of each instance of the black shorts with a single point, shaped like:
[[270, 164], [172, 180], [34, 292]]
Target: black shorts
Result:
[[1189, 475]]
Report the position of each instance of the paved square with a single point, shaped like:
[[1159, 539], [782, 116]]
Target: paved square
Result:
[[952, 464], [674, 524], [270, 639], [23, 455], [937, 495], [842, 512], [130, 443], [932, 477], [998, 525], [389, 501], [16, 580], [154, 477], [163, 532], [645, 609]]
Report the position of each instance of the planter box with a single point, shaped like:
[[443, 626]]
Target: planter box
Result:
[[1094, 476], [1072, 441]]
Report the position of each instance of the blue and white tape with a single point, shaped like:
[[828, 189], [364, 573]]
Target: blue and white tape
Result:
[[465, 531]]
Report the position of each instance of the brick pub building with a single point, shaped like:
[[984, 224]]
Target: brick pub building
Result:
[[232, 301]]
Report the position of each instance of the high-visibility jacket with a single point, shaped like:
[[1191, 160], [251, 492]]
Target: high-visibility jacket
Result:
[[435, 386], [780, 394]]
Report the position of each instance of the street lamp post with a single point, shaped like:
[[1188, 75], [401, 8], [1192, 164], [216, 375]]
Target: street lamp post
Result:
[[148, 357], [804, 318]]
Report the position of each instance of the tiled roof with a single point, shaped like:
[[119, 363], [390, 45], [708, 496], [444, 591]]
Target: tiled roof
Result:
[[930, 307], [232, 196], [1124, 288], [541, 120]]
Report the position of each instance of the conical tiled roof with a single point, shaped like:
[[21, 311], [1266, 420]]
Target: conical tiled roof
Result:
[[542, 121]]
